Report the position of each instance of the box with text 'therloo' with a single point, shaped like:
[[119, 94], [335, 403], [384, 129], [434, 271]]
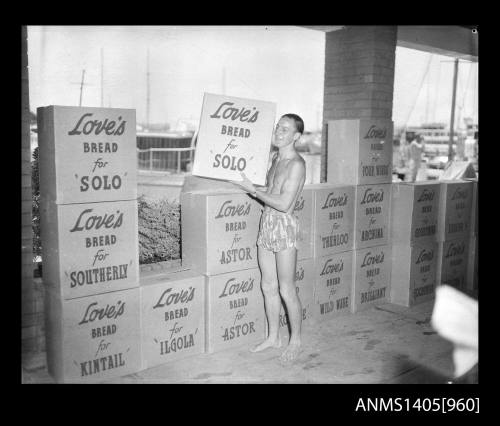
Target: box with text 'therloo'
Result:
[[87, 154], [373, 210], [414, 272], [93, 338], [372, 277], [234, 137], [334, 208], [453, 261], [359, 151], [455, 209], [415, 211], [219, 231], [333, 284], [304, 285], [89, 248], [304, 212], [234, 310], [172, 316]]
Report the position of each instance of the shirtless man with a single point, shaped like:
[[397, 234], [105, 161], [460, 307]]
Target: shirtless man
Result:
[[279, 229]]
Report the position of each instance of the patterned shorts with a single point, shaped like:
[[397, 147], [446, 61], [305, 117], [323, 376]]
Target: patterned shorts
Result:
[[278, 231]]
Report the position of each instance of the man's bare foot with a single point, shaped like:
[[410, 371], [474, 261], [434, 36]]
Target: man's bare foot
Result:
[[268, 343], [291, 352]]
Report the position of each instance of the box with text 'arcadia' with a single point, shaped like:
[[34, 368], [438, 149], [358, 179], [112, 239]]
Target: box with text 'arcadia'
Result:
[[172, 316], [93, 338]]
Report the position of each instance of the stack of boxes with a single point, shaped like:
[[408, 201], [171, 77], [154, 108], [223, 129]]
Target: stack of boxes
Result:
[[472, 271], [89, 231]]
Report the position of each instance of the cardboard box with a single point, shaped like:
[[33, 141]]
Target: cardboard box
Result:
[[219, 231], [87, 154], [93, 338], [455, 210], [359, 151], [334, 208], [89, 248], [474, 207], [234, 137], [372, 277], [414, 211], [304, 282], [304, 209], [172, 316], [414, 272], [333, 285], [234, 310], [472, 270], [373, 210], [452, 263]]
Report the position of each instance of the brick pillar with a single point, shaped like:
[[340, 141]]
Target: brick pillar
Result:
[[359, 76], [28, 291]]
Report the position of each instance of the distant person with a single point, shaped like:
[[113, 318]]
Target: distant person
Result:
[[416, 150], [279, 233]]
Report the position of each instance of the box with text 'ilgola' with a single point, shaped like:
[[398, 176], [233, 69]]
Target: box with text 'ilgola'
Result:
[[334, 208], [234, 310], [372, 217], [87, 154], [89, 248], [414, 211], [304, 212], [219, 231], [172, 316], [452, 262], [414, 272], [455, 209], [360, 151], [93, 338], [333, 285], [372, 277], [304, 285]]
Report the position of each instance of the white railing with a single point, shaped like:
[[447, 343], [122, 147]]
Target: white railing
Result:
[[164, 159]]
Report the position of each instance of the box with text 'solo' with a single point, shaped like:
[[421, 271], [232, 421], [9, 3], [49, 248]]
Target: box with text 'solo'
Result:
[[172, 316], [87, 154], [93, 338]]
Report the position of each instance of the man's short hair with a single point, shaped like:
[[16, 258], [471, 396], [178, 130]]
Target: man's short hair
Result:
[[299, 123]]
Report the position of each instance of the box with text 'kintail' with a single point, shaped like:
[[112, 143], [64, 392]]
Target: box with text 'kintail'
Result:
[[234, 310], [172, 316], [455, 209], [360, 151], [452, 262], [219, 231], [414, 211], [93, 338], [372, 277], [334, 208], [333, 284], [90, 248], [414, 272], [86, 154]]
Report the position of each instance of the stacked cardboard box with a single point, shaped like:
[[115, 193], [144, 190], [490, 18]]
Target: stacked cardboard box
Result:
[[472, 267], [89, 229], [454, 227], [414, 220]]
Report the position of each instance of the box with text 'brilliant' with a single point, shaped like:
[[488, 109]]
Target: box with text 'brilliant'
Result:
[[172, 316], [93, 338]]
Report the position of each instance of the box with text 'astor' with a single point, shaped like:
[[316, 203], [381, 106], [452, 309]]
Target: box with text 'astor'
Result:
[[372, 277], [219, 231], [333, 284], [89, 248], [455, 209], [234, 310], [359, 151], [172, 316], [93, 338], [414, 211], [87, 154], [414, 272], [452, 262]]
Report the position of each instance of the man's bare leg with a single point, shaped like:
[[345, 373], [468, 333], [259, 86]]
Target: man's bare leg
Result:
[[272, 301], [286, 265]]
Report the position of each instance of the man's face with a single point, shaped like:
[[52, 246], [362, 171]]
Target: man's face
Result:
[[285, 133]]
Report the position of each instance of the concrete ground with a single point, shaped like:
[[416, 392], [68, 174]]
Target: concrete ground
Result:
[[385, 344]]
